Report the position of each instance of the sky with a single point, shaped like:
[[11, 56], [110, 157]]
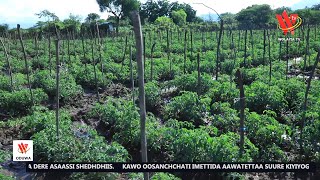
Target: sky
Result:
[[23, 12]]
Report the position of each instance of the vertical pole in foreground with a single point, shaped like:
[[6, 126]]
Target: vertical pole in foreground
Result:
[[306, 100], [25, 62], [142, 103], [131, 76], [242, 106], [199, 73], [57, 86]]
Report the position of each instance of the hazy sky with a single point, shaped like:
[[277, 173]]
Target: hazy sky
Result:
[[23, 11]]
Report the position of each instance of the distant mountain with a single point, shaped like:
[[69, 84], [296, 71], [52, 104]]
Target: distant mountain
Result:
[[209, 17], [303, 4], [24, 25]]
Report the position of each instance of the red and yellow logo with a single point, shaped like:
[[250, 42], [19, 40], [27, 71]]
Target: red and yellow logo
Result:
[[288, 23], [23, 148]]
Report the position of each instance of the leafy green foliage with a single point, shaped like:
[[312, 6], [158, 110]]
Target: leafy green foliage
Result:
[[164, 176], [311, 140], [189, 82], [260, 97], [42, 119], [123, 121], [5, 177], [273, 153], [268, 135], [223, 92], [187, 107], [179, 17], [153, 98], [72, 140], [291, 88], [246, 17], [85, 77], [163, 21], [196, 145], [19, 102], [225, 118], [68, 88], [69, 146], [4, 156], [201, 124], [18, 81]]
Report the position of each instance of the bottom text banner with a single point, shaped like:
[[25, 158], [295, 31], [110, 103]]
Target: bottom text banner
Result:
[[170, 167]]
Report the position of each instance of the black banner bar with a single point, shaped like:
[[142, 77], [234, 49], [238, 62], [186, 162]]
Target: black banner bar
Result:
[[171, 167]]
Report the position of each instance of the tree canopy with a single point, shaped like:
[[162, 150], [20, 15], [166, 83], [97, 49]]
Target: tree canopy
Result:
[[179, 17], [4, 28], [72, 23], [92, 17], [151, 10], [255, 16], [119, 8]]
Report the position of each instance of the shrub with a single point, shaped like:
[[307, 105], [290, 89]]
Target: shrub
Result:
[[225, 118], [264, 129], [42, 118], [72, 140], [161, 69], [68, 88], [267, 134], [189, 82], [260, 97], [5, 177], [224, 92], [272, 153], [311, 141], [153, 98], [164, 176], [40, 63], [85, 77], [19, 102], [187, 107], [121, 73], [19, 81], [4, 156], [17, 65], [226, 149], [196, 145], [292, 87], [164, 21], [123, 121]]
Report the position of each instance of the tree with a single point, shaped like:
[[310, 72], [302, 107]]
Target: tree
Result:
[[47, 14], [151, 10], [73, 23], [163, 21], [92, 17], [281, 9], [316, 7], [309, 16], [191, 13], [228, 19], [119, 8], [52, 21], [4, 28], [255, 16], [179, 17]]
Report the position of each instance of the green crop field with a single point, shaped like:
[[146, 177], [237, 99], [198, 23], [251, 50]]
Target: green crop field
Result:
[[235, 95]]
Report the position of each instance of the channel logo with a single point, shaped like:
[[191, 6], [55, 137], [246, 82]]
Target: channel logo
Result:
[[22, 150], [288, 23]]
